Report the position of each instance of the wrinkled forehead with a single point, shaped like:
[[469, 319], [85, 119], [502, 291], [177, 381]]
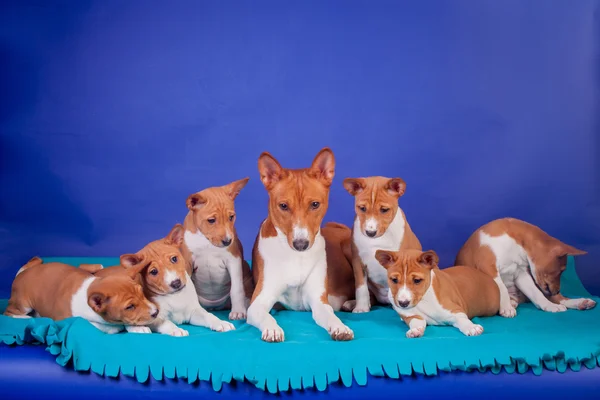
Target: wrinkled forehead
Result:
[[375, 192], [297, 186], [157, 249], [217, 200]]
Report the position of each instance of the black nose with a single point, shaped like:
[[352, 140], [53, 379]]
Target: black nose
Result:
[[371, 233], [154, 314], [300, 244], [226, 242], [176, 284], [404, 304]]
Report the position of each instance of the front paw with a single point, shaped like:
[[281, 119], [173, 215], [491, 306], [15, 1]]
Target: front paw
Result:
[[415, 332], [178, 332], [273, 335], [474, 330], [221, 326], [508, 311], [362, 308], [341, 333], [586, 304], [236, 315], [551, 307], [138, 329]]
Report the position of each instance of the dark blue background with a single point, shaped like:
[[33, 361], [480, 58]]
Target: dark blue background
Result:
[[113, 112]]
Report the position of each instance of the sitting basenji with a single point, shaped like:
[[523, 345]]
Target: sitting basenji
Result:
[[525, 262], [425, 295], [289, 261], [211, 246], [58, 291], [379, 224], [167, 283]]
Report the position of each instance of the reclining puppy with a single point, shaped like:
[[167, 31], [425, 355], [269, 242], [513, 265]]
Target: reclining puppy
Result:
[[59, 291], [425, 295], [525, 262], [167, 283]]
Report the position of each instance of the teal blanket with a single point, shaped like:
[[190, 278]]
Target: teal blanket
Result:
[[310, 359]]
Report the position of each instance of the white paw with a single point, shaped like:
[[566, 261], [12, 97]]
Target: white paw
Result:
[[235, 315], [551, 307], [586, 304], [474, 330], [138, 329], [221, 326], [178, 332], [514, 303], [362, 308], [415, 332], [508, 312], [340, 333], [274, 334]]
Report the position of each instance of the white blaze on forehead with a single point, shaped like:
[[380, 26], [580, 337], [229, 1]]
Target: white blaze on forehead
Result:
[[170, 276], [404, 294], [300, 232], [371, 224]]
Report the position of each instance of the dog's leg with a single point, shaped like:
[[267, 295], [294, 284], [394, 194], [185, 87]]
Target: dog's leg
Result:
[[16, 309], [363, 300], [110, 329], [465, 325], [200, 317], [416, 326], [138, 329], [525, 283], [259, 315], [506, 308], [166, 327], [237, 294], [575, 304]]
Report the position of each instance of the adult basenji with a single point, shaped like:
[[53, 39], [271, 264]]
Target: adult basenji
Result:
[[58, 291], [167, 283], [379, 224], [289, 261], [211, 246], [424, 295], [525, 262]]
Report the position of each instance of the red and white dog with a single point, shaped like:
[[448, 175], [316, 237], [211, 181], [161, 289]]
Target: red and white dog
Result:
[[289, 261]]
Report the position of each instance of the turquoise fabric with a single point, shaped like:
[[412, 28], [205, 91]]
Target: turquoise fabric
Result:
[[309, 358]]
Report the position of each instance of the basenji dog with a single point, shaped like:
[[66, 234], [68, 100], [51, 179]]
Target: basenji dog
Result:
[[289, 260], [211, 246], [58, 291], [423, 294], [379, 224], [167, 284], [525, 262]]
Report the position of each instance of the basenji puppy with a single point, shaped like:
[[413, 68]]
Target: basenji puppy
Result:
[[289, 260], [211, 246], [167, 284], [379, 224], [423, 294], [525, 262], [58, 291]]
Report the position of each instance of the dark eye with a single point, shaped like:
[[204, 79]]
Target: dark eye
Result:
[[314, 205], [212, 220], [283, 206], [130, 307], [362, 208], [384, 210], [174, 259], [395, 280], [417, 281], [231, 217], [154, 271]]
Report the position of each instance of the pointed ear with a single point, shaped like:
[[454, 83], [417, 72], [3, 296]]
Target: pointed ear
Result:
[[429, 259], [561, 249], [355, 185], [386, 258], [175, 237], [234, 188], [270, 170], [396, 187], [98, 302], [323, 166], [131, 260], [195, 201]]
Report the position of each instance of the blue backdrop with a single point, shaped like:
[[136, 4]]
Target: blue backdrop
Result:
[[113, 112]]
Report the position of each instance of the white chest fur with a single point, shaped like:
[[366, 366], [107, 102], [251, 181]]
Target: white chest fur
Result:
[[292, 273], [366, 246], [178, 307], [511, 258]]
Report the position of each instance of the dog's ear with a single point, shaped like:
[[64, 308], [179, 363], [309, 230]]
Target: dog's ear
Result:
[[234, 188], [395, 187], [131, 260], [386, 258], [323, 166], [270, 170], [429, 259], [195, 201], [98, 302], [560, 249], [355, 185], [175, 237]]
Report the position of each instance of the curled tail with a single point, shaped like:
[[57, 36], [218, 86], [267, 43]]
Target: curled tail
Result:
[[31, 263]]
